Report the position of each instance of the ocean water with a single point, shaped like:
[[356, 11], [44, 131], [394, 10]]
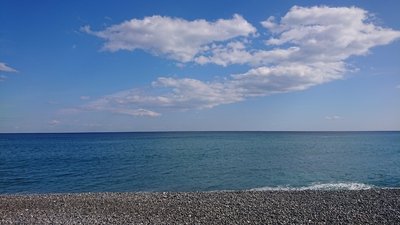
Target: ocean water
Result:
[[197, 161]]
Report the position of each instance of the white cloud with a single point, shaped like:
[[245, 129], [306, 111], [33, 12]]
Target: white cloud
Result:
[[328, 34], [70, 111], [2, 77], [333, 117], [93, 125], [188, 93], [85, 98], [133, 112], [53, 103], [112, 104], [171, 94], [309, 47], [5, 68], [194, 94], [316, 34], [285, 78], [55, 122], [167, 94], [231, 53], [176, 38]]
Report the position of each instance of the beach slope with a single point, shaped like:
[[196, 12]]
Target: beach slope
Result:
[[374, 206]]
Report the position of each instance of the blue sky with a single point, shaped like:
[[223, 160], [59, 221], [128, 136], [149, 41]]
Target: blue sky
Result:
[[85, 66]]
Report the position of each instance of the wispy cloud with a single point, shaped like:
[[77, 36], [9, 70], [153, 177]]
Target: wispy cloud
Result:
[[333, 117], [171, 94], [2, 77], [93, 125], [85, 98], [53, 103], [55, 122], [5, 68], [110, 104], [308, 47]]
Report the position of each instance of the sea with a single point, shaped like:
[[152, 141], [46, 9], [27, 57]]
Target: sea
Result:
[[197, 161]]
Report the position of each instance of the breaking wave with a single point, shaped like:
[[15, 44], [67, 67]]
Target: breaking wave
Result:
[[318, 186]]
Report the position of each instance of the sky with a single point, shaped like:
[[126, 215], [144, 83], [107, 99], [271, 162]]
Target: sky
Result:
[[105, 66]]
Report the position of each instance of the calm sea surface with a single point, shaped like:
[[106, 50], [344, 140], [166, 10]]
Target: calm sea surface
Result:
[[197, 161]]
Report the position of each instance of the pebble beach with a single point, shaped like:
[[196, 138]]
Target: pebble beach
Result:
[[374, 206]]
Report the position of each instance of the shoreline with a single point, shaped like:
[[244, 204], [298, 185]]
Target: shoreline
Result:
[[372, 206]]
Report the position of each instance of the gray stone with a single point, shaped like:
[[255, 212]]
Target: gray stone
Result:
[[375, 206]]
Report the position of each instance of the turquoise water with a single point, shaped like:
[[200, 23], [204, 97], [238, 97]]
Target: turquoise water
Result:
[[197, 161]]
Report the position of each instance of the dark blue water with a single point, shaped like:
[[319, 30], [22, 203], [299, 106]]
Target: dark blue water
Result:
[[197, 161]]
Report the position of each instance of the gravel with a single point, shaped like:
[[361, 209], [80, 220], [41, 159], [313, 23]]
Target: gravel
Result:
[[374, 206]]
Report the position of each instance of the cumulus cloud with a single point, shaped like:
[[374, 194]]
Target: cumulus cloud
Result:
[[175, 38], [316, 34], [285, 78], [5, 68], [307, 47], [224, 54], [328, 34]]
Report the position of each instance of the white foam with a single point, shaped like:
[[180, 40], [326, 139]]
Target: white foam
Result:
[[318, 186]]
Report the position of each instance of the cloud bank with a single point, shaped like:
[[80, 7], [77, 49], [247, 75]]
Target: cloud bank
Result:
[[306, 47]]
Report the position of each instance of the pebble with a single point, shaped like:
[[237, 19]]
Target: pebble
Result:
[[374, 206]]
